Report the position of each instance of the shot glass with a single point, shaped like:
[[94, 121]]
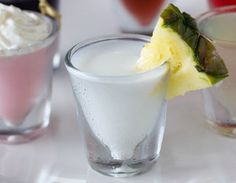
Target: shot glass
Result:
[[125, 114], [219, 26], [25, 89]]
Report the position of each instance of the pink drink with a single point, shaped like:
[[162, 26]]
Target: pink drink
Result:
[[22, 78], [28, 42]]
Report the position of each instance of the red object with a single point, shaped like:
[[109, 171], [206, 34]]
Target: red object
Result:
[[143, 10], [219, 3]]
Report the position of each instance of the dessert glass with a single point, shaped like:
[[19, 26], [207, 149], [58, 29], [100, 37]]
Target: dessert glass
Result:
[[25, 90]]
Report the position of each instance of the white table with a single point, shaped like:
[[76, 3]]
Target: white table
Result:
[[191, 153]]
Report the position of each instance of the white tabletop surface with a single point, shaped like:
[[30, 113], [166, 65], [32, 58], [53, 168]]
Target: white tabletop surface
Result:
[[191, 153]]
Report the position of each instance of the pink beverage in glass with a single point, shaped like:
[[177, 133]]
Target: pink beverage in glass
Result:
[[25, 73], [22, 78]]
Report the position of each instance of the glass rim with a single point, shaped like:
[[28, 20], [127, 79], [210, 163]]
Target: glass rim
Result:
[[107, 78], [38, 44], [213, 12]]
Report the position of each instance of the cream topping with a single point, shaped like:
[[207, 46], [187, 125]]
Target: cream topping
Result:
[[20, 29]]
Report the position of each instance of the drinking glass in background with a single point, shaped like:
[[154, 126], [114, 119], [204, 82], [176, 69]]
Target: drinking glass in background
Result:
[[25, 90], [136, 16], [219, 3], [125, 113], [33, 5], [219, 25]]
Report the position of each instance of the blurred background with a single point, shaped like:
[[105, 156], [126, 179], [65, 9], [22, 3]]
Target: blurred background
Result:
[[82, 19]]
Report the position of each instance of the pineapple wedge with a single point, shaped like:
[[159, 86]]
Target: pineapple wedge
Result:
[[194, 62]]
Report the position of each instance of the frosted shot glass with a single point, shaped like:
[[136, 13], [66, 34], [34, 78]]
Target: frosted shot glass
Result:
[[25, 89], [125, 114], [219, 26]]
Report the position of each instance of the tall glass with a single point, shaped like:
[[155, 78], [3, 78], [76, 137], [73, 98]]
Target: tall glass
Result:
[[125, 114], [219, 26], [25, 89]]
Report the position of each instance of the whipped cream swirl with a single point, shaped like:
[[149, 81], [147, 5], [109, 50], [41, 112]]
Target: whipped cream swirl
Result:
[[20, 29]]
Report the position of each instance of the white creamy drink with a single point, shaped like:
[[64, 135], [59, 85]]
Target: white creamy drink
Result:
[[122, 107]]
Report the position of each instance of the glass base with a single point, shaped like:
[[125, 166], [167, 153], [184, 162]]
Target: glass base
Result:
[[223, 129], [23, 136], [125, 168], [33, 125]]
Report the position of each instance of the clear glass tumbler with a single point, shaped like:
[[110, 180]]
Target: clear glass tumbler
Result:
[[125, 114], [25, 89], [219, 26]]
